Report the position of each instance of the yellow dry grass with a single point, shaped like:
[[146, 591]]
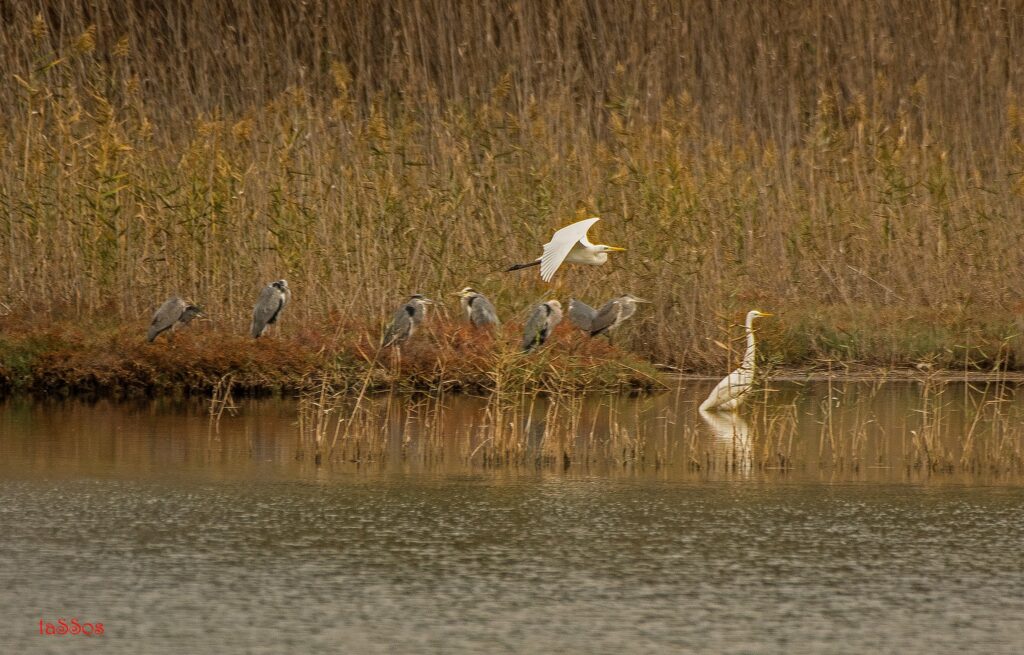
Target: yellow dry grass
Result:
[[856, 167]]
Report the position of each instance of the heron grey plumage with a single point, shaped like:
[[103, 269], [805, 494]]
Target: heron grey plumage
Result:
[[541, 324], [581, 314], [613, 313], [407, 318], [479, 310], [174, 314], [271, 302]]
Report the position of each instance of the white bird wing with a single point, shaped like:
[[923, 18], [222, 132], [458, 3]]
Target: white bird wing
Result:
[[556, 250], [730, 389]]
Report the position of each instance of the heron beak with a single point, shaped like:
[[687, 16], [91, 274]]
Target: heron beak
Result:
[[615, 249], [635, 299], [765, 314]]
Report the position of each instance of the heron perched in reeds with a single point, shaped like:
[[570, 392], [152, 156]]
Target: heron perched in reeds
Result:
[[269, 305], [479, 310], [173, 315], [609, 317], [570, 244], [407, 318], [541, 324], [731, 391], [581, 314]]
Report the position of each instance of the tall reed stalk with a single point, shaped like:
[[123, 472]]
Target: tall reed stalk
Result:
[[856, 166]]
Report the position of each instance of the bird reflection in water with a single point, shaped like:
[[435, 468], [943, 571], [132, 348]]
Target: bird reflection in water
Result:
[[732, 439]]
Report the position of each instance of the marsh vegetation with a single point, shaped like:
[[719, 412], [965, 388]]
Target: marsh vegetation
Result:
[[855, 167]]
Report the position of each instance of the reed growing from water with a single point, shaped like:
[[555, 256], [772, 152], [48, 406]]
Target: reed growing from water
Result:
[[854, 166], [907, 429]]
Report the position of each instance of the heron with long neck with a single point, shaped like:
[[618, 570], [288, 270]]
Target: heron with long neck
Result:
[[731, 391]]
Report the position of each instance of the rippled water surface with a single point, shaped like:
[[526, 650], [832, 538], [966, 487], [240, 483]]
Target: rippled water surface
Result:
[[814, 523]]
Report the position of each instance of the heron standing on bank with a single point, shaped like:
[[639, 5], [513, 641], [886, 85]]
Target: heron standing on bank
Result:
[[173, 315], [613, 313], [570, 244], [479, 310], [407, 319], [581, 314], [269, 306], [732, 390], [541, 324], [604, 320]]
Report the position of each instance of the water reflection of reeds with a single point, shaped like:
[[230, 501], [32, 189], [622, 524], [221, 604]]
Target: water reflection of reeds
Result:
[[838, 430], [849, 429]]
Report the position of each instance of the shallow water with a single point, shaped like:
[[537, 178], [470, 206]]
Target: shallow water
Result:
[[813, 525]]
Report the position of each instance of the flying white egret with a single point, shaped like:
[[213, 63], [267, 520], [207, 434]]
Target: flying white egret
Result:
[[479, 310], [570, 244], [541, 324], [730, 392], [268, 307], [172, 315]]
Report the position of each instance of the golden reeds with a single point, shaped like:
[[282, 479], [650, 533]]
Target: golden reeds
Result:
[[856, 166]]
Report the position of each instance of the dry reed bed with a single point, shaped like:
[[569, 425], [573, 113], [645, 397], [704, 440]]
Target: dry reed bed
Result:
[[854, 166]]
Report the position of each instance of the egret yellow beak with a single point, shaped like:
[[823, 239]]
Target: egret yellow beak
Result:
[[616, 249]]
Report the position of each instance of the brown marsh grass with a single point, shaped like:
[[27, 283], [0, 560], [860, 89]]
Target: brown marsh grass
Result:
[[209, 359], [856, 167]]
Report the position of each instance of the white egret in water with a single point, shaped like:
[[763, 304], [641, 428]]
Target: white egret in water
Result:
[[570, 244], [730, 392], [479, 310], [172, 315]]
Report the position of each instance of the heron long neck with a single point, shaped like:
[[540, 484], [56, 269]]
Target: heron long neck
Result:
[[748, 357]]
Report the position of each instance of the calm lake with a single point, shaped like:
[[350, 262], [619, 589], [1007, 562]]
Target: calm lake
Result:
[[827, 517]]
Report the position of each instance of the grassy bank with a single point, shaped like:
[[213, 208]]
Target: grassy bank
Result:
[[854, 167], [207, 359]]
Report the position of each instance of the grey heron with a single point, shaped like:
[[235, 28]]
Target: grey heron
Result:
[[731, 391], [479, 310], [174, 314], [613, 313], [407, 318], [269, 305], [570, 244], [541, 324], [581, 314]]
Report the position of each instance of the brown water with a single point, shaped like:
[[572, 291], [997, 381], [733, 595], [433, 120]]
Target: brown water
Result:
[[812, 524]]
